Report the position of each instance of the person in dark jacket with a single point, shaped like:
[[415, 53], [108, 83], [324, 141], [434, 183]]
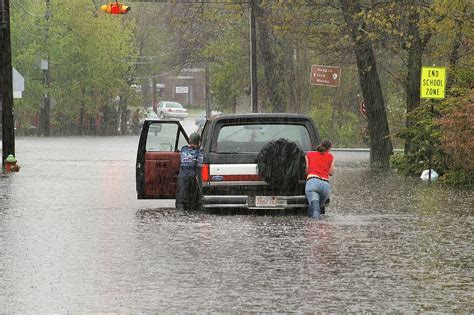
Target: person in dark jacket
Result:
[[319, 166], [188, 192]]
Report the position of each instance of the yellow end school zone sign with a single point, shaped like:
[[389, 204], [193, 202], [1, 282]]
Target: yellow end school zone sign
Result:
[[433, 82]]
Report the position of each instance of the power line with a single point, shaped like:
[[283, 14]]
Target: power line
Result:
[[27, 32], [43, 28], [19, 5], [156, 76], [134, 62], [25, 19], [141, 57], [145, 57]]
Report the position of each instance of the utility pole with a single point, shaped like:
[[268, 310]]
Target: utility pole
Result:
[[6, 84], [153, 91], [47, 76], [206, 77], [208, 99], [253, 57]]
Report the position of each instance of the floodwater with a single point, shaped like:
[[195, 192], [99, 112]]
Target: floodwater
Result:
[[74, 238]]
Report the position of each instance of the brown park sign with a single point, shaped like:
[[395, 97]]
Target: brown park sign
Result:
[[325, 75]]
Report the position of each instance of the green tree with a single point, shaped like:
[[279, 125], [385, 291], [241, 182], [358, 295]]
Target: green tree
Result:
[[86, 53], [448, 131]]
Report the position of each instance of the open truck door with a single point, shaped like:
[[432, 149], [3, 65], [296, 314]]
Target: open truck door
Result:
[[158, 160]]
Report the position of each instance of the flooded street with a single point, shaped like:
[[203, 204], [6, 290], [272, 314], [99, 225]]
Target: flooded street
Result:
[[74, 238]]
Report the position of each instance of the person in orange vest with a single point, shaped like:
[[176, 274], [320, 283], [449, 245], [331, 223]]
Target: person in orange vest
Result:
[[319, 167]]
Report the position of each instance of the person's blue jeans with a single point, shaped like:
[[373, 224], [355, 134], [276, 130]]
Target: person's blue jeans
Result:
[[317, 192]]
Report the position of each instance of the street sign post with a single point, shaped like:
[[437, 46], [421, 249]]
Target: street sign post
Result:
[[432, 86], [325, 75]]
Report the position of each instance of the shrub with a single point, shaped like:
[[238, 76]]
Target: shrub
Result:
[[457, 136], [457, 127], [425, 137], [447, 134]]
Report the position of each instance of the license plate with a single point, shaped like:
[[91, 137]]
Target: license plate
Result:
[[268, 201]]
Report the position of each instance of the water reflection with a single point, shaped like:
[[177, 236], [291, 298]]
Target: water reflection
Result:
[[74, 238]]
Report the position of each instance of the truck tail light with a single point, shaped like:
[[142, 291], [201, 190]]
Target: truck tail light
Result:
[[205, 172]]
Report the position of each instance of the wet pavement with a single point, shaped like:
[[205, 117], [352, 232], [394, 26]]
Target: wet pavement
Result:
[[74, 238]]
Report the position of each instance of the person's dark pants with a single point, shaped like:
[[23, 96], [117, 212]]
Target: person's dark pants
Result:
[[187, 193]]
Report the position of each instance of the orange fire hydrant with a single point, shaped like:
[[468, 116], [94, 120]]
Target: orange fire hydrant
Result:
[[10, 164]]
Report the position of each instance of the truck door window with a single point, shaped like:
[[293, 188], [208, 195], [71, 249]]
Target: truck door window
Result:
[[162, 137], [182, 141]]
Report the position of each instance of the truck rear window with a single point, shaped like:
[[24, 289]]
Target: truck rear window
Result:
[[250, 138]]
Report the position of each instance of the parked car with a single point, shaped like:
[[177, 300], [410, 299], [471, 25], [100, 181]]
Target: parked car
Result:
[[252, 161], [201, 119], [171, 110], [147, 113]]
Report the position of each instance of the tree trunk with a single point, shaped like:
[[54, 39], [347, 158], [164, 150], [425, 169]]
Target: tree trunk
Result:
[[269, 61], [454, 57], [291, 78], [456, 45], [124, 115], [414, 64], [81, 119], [380, 143], [6, 84], [253, 57], [147, 98]]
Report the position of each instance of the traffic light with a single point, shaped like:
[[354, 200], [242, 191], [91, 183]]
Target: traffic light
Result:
[[115, 8]]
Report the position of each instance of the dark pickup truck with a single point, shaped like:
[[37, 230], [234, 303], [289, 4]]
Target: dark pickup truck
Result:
[[252, 161]]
